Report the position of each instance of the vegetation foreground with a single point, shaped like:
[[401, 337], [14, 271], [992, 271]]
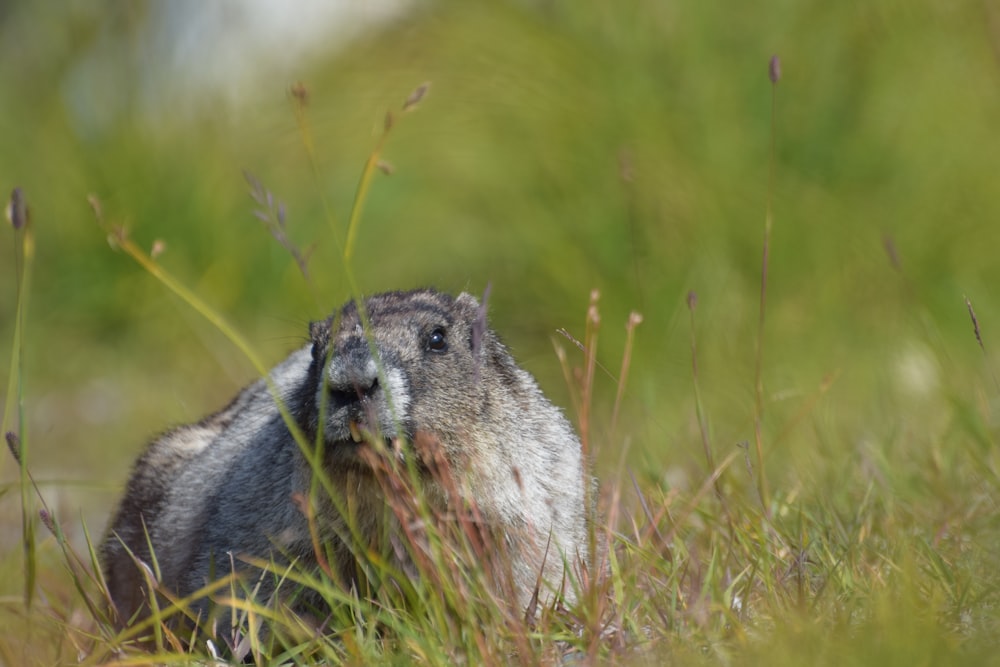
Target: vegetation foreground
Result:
[[744, 515], [722, 566]]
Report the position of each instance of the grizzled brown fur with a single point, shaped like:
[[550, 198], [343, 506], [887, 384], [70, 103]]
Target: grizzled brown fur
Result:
[[441, 384]]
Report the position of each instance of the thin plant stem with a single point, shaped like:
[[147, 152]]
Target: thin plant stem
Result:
[[774, 72], [593, 325], [361, 194], [24, 260], [979, 341], [634, 320]]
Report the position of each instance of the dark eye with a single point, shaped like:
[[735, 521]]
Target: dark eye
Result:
[[436, 342]]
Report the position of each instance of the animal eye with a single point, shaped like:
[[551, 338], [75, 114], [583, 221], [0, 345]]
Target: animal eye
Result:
[[436, 341]]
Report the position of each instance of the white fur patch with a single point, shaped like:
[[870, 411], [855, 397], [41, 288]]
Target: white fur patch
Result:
[[191, 440], [398, 395]]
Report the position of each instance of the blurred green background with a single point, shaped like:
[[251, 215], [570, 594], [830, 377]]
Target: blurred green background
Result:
[[563, 146]]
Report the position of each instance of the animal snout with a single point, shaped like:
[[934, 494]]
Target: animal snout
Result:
[[353, 376], [354, 391]]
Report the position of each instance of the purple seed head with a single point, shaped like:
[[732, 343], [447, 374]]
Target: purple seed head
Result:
[[46, 517], [14, 444], [774, 69], [692, 300], [416, 96], [17, 209]]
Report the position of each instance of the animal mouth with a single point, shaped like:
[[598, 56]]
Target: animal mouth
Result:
[[363, 443], [366, 444]]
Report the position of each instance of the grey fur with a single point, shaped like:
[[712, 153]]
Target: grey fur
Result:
[[210, 493]]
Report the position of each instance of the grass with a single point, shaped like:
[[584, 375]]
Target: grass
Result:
[[818, 486]]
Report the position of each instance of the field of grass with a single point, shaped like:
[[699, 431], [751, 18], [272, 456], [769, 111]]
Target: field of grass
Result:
[[815, 486]]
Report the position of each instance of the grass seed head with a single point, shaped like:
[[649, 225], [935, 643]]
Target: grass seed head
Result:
[[774, 69], [17, 209], [14, 444]]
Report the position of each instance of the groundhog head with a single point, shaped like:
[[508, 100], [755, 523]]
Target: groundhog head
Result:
[[415, 371]]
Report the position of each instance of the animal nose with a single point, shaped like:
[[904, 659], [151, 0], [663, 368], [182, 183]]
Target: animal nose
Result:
[[357, 391], [353, 376]]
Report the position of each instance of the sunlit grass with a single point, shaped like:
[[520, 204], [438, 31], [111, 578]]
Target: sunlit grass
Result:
[[859, 571], [828, 499]]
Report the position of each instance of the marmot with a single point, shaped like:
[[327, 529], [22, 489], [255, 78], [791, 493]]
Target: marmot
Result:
[[424, 368]]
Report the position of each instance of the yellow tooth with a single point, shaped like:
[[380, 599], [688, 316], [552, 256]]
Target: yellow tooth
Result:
[[355, 431]]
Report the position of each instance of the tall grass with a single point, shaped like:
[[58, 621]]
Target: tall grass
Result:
[[889, 559], [24, 253]]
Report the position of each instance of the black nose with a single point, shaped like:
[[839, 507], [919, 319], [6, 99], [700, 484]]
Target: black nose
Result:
[[355, 391], [353, 377]]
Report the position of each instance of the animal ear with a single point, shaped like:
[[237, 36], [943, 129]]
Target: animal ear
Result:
[[319, 333], [473, 305], [320, 330], [466, 300]]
